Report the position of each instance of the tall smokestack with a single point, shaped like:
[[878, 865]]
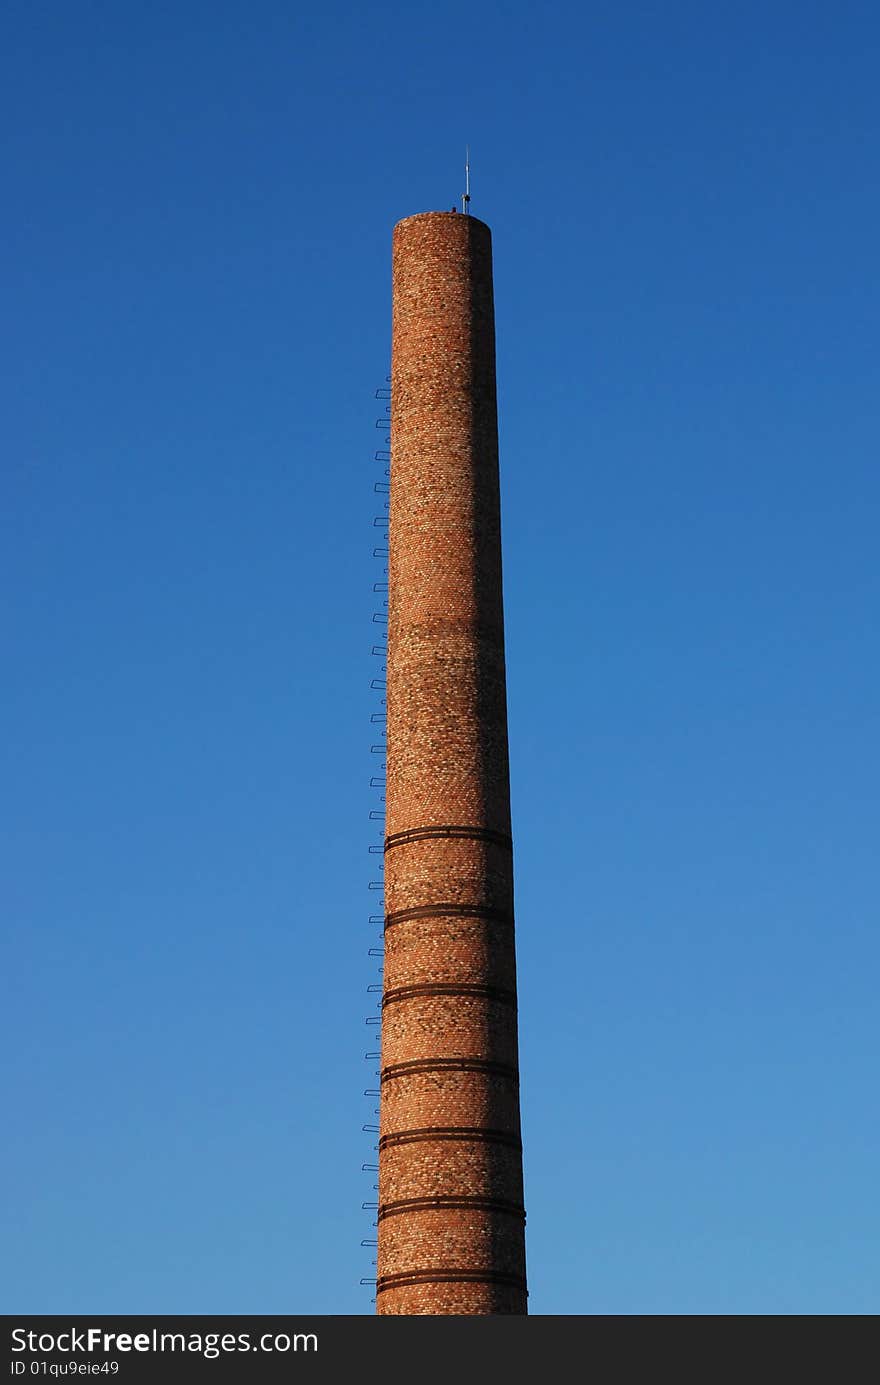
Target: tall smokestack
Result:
[[451, 1218]]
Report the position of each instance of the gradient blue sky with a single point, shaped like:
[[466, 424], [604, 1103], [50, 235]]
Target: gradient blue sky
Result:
[[199, 200]]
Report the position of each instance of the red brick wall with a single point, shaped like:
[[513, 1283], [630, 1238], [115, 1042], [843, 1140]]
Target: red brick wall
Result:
[[451, 1220]]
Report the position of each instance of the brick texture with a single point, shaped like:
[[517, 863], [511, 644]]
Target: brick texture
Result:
[[451, 1219]]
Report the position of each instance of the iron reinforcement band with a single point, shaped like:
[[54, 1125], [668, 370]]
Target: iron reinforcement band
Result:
[[452, 1204], [403, 1281], [471, 1133], [458, 911], [496, 993], [421, 834], [419, 1065]]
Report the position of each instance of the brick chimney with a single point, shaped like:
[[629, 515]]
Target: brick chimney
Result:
[[451, 1219]]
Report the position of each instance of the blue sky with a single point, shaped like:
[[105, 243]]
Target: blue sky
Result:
[[199, 203]]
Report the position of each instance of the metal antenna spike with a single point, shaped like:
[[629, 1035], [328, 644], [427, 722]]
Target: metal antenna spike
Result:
[[466, 196]]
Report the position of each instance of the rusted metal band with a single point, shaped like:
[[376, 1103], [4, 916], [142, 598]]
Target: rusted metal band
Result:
[[496, 993], [403, 1281], [420, 1065], [470, 1133], [423, 834], [452, 1204], [458, 911]]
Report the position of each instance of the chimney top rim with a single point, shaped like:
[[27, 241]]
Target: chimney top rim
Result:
[[441, 216]]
